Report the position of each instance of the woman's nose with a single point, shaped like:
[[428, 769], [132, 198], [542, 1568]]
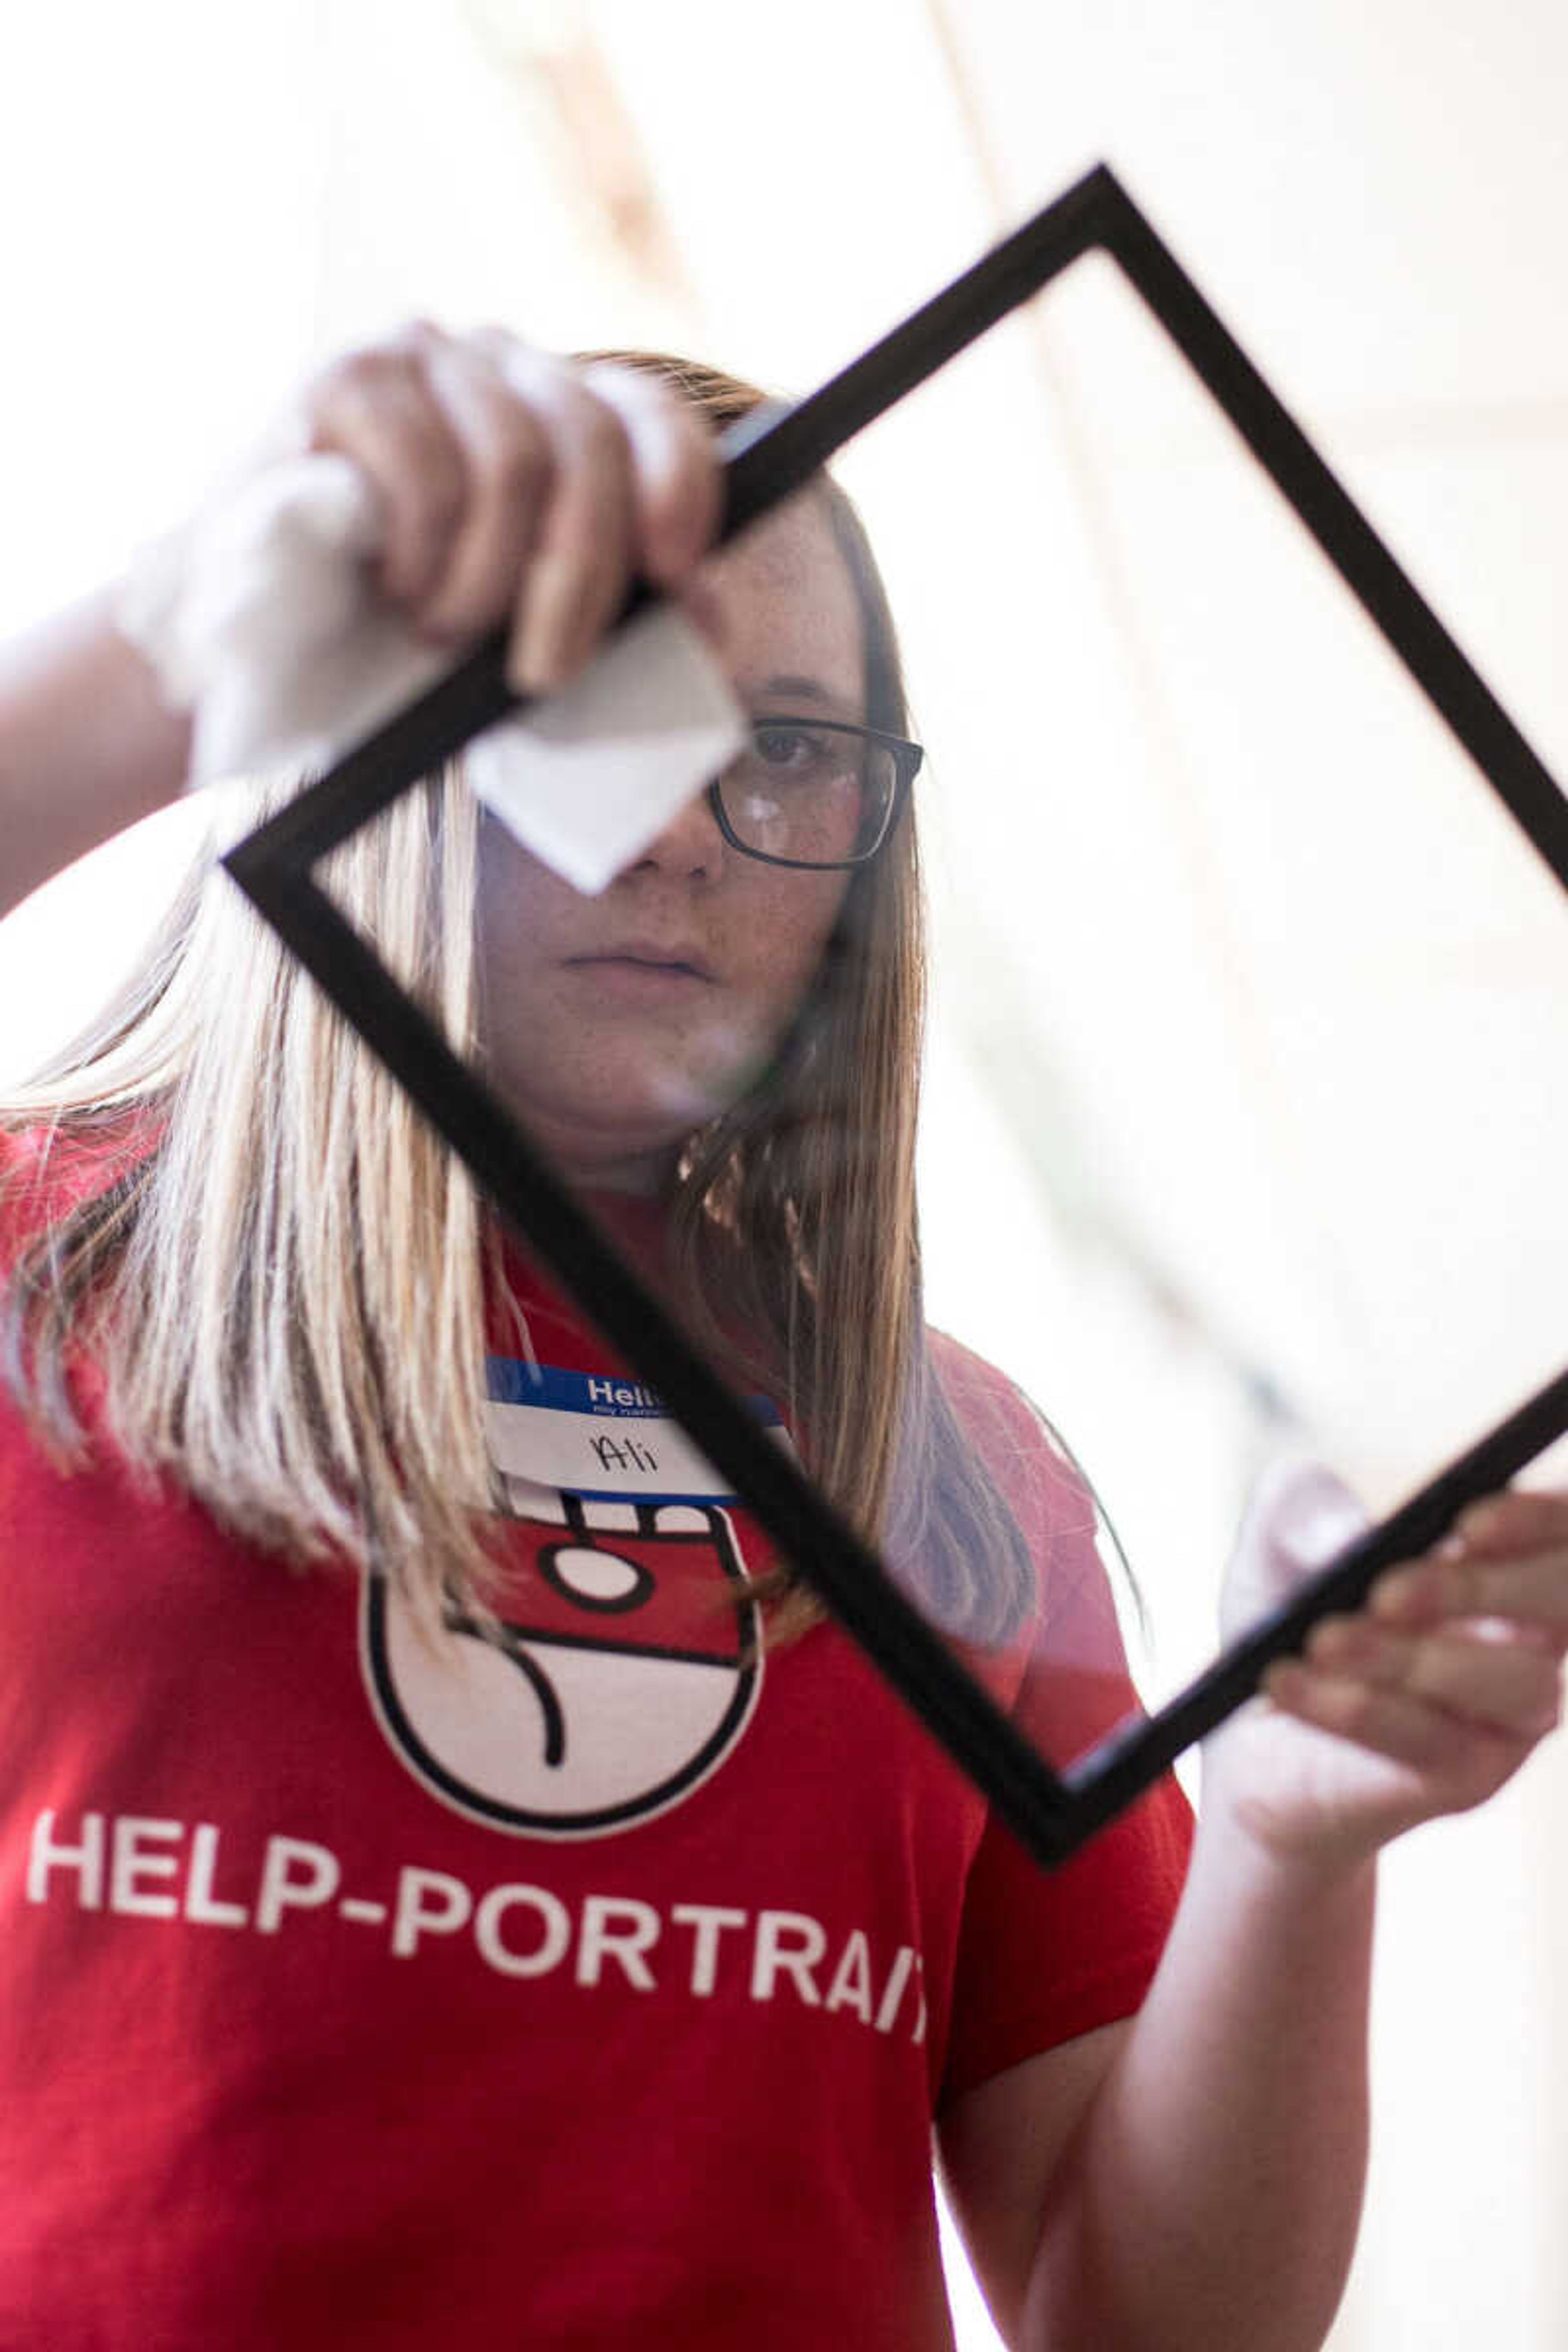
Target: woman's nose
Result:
[[690, 844]]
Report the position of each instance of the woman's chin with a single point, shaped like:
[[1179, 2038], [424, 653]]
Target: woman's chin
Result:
[[636, 1150]]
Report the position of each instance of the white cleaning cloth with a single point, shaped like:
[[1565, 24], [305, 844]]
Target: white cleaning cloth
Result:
[[260, 617]]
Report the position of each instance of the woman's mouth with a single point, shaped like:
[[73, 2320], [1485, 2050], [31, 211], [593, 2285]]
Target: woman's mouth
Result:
[[641, 968]]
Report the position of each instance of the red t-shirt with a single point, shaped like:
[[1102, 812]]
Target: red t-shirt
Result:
[[597, 1988]]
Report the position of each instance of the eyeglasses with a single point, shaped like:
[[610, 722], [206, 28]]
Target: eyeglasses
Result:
[[814, 792]]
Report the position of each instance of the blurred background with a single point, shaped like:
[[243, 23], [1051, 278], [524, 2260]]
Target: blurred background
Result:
[[1242, 1129]]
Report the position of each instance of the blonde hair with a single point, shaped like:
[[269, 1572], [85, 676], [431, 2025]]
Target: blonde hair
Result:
[[285, 1278]]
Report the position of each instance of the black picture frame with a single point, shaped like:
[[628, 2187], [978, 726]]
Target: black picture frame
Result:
[[767, 459]]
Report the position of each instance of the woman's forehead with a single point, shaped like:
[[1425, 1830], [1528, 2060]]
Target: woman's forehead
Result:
[[779, 602]]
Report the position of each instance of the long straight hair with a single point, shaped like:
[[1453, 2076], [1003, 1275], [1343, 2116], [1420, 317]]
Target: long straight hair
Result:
[[283, 1273]]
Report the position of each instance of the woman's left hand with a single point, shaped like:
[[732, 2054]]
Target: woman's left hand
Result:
[[1424, 1702]]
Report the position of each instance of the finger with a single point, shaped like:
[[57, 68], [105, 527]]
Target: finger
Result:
[[1512, 1522], [1362, 1633], [1522, 1633], [376, 407], [1509, 1687], [509, 468], [1299, 1516], [578, 575], [1532, 1590], [1392, 1724], [676, 474]]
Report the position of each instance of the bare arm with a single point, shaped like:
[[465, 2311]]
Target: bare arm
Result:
[[86, 747], [1210, 2195]]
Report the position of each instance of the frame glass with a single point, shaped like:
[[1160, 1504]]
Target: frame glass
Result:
[[767, 459]]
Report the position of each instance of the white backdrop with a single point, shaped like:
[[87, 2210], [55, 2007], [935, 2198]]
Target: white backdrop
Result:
[[203, 199]]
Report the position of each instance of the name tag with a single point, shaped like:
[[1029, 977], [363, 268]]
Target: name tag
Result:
[[598, 1436]]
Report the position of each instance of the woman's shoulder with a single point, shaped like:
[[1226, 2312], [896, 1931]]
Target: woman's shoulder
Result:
[[1022, 1449], [24, 1193], [50, 1166]]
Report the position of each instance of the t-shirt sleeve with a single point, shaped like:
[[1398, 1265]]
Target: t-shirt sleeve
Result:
[[1045, 1955]]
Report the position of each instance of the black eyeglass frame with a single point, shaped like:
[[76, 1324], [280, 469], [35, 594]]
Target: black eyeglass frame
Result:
[[907, 759], [768, 458]]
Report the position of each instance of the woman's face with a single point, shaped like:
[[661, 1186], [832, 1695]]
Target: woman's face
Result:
[[616, 1026]]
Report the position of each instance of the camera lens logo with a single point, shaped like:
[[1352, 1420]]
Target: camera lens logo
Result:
[[620, 1673]]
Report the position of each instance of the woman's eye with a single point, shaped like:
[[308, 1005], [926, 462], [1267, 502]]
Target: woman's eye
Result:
[[787, 747]]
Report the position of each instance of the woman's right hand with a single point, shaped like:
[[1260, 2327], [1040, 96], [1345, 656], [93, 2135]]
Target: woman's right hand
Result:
[[514, 483], [511, 484]]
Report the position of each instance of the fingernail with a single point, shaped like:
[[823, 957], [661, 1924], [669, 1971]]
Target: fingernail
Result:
[[537, 657]]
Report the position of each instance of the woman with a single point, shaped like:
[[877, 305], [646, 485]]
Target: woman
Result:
[[523, 1946]]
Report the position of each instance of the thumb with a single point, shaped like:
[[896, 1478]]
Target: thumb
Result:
[[1299, 1516]]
